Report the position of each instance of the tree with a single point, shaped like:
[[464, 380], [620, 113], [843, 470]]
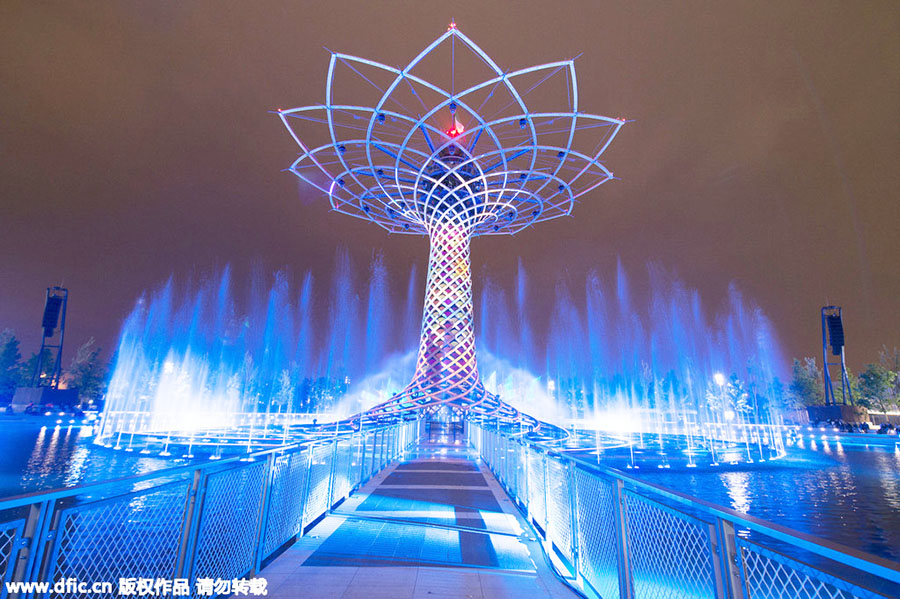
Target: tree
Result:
[[9, 365], [87, 373], [778, 397], [807, 388], [713, 397], [284, 396], [27, 368], [738, 397], [890, 359], [876, 386]]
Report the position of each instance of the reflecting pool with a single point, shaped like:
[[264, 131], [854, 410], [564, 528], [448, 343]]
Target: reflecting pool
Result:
[[846, 490]]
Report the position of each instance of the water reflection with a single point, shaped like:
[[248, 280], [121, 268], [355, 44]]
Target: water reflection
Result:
[[850, 495], [76, 466], [737, 484], [35, 458], [847, 493]]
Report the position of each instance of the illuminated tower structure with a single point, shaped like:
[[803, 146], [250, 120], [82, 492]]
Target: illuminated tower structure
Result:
[[483, 152]]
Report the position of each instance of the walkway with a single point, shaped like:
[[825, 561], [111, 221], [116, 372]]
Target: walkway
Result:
[[436, 526]]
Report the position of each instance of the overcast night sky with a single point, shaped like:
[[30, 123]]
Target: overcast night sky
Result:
[[136, 142]]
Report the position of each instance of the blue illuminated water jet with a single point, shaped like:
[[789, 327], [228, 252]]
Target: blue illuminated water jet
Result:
[[196, 363]]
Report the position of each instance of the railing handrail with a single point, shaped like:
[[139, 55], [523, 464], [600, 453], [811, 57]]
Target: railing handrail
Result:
[[856, 558], [15, 501], [46, 545], [823, 547]]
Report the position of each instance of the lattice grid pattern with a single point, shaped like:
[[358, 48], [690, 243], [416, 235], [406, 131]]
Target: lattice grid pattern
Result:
[[286, 500], [477, 161], [770, 575], [10, 533], [380, 450], [506, 459], [367, 457], [669, 552], [536, 488], [226, 538], [597, 541], [388, 447], [121, 537], [559, 508], [319, 482], [392, 453], [356, 464], [521, 484], [495, 451], [341, 485], [139, 533]]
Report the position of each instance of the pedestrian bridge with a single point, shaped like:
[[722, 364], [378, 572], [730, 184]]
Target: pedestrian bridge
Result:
[[408, 510]]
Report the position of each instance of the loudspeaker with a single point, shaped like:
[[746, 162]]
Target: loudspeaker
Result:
[[51, 314], [835, 333]]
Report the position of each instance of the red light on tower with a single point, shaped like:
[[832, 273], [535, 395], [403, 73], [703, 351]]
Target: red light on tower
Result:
[[457, 129]]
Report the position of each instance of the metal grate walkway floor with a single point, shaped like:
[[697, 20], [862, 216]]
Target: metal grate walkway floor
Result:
[[436, 526]]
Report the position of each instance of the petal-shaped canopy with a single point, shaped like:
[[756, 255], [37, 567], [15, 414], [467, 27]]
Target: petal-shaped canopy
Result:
[[490, 150]]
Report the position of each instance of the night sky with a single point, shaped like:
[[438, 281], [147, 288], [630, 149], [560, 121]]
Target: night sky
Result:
[[136, 142]]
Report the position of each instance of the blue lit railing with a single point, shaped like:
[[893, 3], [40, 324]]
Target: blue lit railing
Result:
[[221, 519], [629, 539]]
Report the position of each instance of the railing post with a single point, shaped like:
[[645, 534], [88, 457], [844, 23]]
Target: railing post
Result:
[[363, 444], [350, 450], [524, 494], [45, 565], [546, 523], [361, 456], [263, 519], [726, 559], [309, 454], [334, 447], [376, 452], [30, 558], [374, 447], [184, 563], [573, 505], [621, 514]]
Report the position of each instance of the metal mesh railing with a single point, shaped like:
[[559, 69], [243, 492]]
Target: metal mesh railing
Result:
[[629, 539], [341, 486], [228, 523], [319, 481], [112, 538], [669, 552], [10, 535], [771, 575], [220, 519], [521, 482], [559, 509], [287, 500], [367, 452], [598, 553], [537, 506]]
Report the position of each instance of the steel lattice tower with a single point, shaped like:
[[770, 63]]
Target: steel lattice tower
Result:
[[456, 164]]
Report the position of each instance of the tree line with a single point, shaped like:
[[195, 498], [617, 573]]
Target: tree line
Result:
[[877, 388], [86, 371]]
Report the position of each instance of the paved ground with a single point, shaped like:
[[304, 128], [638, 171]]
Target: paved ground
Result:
[[436, 526]]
